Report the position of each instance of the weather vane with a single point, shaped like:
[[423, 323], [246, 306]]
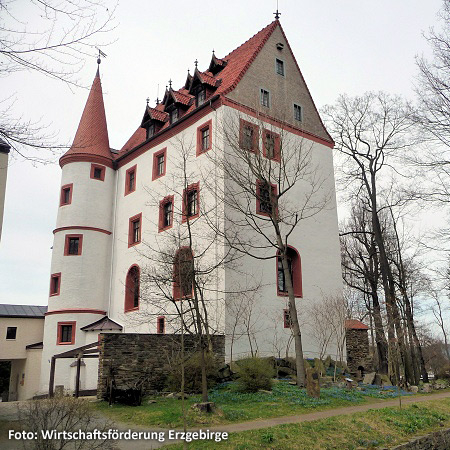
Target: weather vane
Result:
[[100, 55], [277, 13]]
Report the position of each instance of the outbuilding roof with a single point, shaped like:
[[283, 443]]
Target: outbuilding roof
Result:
[[353, 324], [105, 323], [25, 311]]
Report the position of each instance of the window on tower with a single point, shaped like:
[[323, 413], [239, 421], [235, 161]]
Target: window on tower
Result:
[[66, 195], [55, 284], [130, 180], [97, 172], [286, 318], [66, 333], [132, 285], [279, 66], [266, 197], [265, 98], [271, 145], [134, 230], [248, 136], [298, 113], [165, 213], [183, 274], [73, 244]]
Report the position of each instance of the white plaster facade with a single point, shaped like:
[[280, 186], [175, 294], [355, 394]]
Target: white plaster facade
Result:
[[92, 284]]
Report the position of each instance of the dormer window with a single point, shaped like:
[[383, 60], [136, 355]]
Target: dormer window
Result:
[[150, 130], [201, 96], [174, 115]]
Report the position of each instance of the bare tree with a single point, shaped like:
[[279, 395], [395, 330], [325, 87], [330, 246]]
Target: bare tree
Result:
[[370, 132], [271, 178], [52, 38], [440, 311]]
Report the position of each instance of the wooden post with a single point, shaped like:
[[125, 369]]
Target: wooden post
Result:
[[52, 377], [77, 379]]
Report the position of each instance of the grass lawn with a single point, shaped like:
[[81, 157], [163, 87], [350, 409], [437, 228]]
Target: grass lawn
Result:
[[371, 429], [233, 406]]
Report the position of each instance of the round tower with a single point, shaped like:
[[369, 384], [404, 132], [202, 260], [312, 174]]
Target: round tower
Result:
[[82, 246]]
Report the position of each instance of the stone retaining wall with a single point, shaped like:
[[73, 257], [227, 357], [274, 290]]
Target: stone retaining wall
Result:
[[133, 357], [439, 440]]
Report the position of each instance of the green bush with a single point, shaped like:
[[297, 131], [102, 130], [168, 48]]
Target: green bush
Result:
[[193, 373], [254, 374], [443, 373]]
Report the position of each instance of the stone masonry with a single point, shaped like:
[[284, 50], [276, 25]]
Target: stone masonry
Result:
[[133, 357], [357, 346]]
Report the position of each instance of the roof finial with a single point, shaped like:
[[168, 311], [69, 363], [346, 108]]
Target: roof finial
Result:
[[189, 72], [277, 13], [148, 100], [213, 53], [196, 63], [170, 84], [100, 55], [157, 100]]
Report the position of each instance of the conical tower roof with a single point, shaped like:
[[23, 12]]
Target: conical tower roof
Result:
[[91, 141]]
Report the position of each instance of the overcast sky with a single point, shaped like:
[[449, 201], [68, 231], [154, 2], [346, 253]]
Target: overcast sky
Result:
[[346, 46]]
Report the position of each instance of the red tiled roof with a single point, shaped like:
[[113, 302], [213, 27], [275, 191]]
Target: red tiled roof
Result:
[[353, 324], [182, 96], [208, 78], [157, 114], [91, 137], [136, 138]]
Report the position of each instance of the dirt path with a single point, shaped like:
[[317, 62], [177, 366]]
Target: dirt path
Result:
[[265, 423]]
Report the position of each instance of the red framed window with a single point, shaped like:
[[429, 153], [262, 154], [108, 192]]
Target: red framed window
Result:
[[271, 145], [295, 269], [134, 230], [248, 136], [266, 197], [204, 137], [98, 172], [66, 333], [55, 284], [66, 195], [286, 318], [183, 273], [132, 286], [73, 244], [191, 201], [161, 325], [159, 163], [130, 180], [165, 213]]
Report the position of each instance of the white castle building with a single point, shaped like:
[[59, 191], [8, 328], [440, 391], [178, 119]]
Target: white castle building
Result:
[[117, 207]]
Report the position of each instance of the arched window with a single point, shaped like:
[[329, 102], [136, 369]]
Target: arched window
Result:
[[132, 289], [183, 273], [295, 268]]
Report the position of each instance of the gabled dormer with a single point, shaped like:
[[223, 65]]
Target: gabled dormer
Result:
[[153, 120], [216, 65], [176, 103], [203, 84]]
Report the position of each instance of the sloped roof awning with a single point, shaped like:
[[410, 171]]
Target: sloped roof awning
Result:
[[24, 311], [104, 324]]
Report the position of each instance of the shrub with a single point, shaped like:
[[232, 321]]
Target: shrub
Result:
[[254, 374], [193, 373], [443, 373], [62, 414]]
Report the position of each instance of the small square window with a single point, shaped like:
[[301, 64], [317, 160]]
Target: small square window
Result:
[[11, 333], [130, 180], [97, 172], [159, 164], [66, 195], [279, 66], [55, 284], [298, 113], [165, 213], [265, 98], [73, 244], [134, 230], [66, 333]]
